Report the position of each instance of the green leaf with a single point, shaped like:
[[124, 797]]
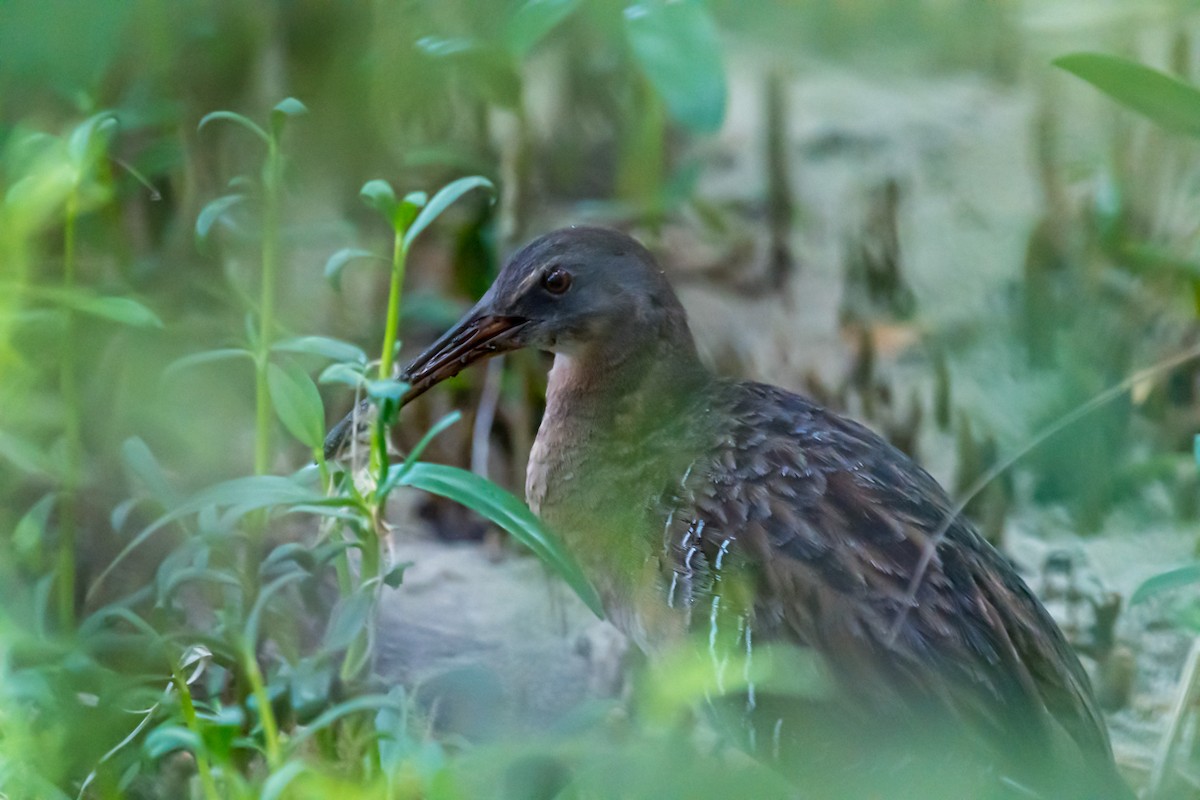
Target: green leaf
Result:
[[213, 211], [343, 373], [338, 261], [324, 346], [366, 702], [206, 357], [379, 195], [532, 20], [1166, 581], [91, 137], [125, 310], [237, 119], [254, 618], [386, 389], [350, 618], [25, 455], [242, 495], [441, 201], [1165, 100], [30, 533], [395, 473], [504, 509], [142, 465], [408, 209], [395, 575], [280, 779], [288, 107], [298, 403], [677, 47], [167, 739]]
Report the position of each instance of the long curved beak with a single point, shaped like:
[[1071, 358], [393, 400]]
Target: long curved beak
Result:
[[477, 336]]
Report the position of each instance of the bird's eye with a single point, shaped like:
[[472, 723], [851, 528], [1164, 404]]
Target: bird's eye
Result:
[[556, 280]]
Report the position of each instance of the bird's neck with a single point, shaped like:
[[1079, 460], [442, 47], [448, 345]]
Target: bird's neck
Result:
[[637, 385]]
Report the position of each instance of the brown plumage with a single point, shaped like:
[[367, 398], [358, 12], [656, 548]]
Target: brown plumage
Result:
[[749, 514]]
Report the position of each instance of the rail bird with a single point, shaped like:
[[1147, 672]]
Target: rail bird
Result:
[[751, 515]]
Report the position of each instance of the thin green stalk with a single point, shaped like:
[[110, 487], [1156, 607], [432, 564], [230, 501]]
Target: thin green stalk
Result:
[[69, 386], [266, 314], [387, 357], [266, 714], [203, 767]]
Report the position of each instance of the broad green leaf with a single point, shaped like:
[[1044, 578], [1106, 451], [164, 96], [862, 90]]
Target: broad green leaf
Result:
[[288, 107], [1165, 582], [677, 47], [350, 617], [142, 465], [213, 211], [379, 195], [25, 455], [118, 309], [504, 509], [532, 20], [325, 346], [206, 357], [237, 119], [1165, 100], [338, 261], [441, 201], [298, 403]]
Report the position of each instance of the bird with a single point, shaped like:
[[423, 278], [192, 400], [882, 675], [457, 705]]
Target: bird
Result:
[[746, 514]]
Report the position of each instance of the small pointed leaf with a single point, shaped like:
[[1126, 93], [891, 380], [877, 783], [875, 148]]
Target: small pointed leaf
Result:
[[288, 107], [441, 201], [379, 195], [237, 119], [298, 403], [338, 261], [323, 346], [212, 212]]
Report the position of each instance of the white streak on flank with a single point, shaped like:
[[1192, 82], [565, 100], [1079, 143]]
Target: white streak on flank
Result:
[[687, 560], [750, 703], [721, 553], [775, 738], [718, 663], [671, 592]]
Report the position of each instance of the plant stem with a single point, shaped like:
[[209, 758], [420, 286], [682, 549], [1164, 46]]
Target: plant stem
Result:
[[387, 357], [266, 313], [266, 714], [193, 722], [69, 386]]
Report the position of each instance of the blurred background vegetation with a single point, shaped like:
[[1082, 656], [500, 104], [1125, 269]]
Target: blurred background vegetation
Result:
[[900, 207]]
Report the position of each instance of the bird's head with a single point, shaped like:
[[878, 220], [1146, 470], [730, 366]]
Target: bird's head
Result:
[[569, 292]]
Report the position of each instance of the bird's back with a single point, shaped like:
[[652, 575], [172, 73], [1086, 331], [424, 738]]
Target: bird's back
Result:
[[824, 526]]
